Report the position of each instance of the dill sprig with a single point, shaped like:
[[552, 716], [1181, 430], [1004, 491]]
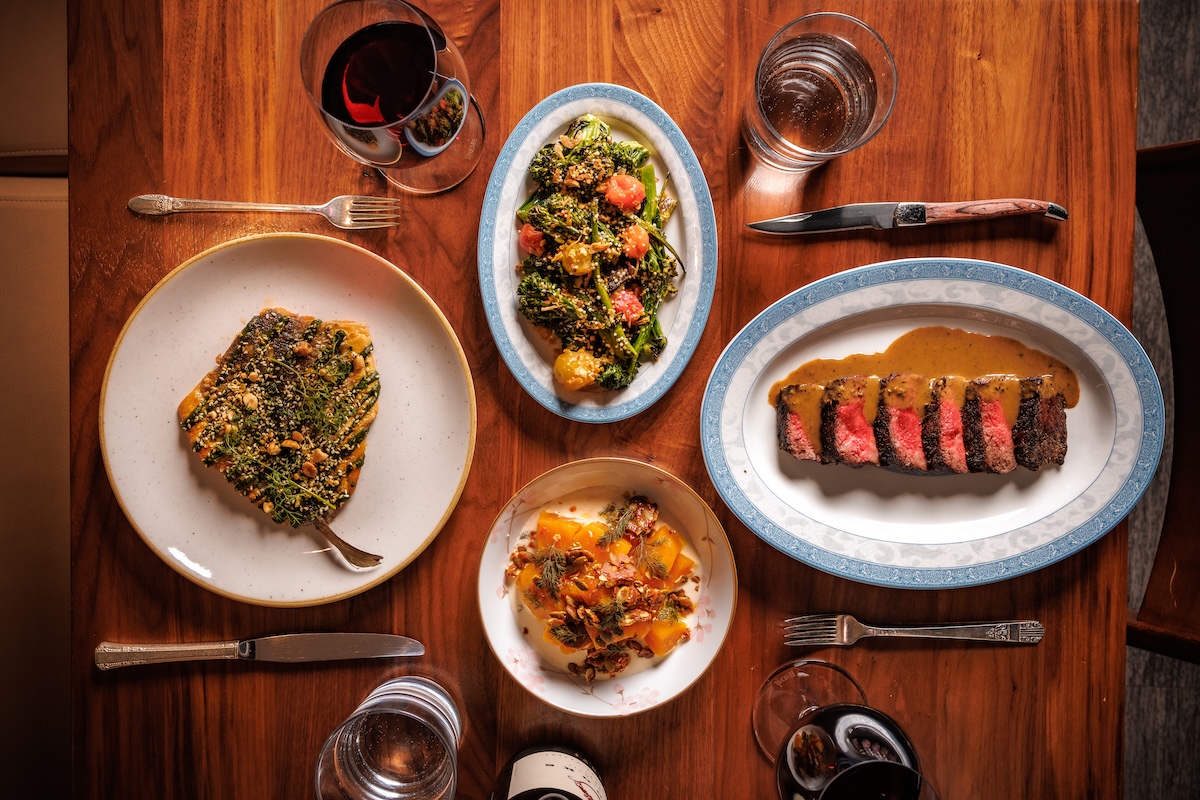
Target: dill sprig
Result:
[[648, 559], [570, 634], [610, 613], [670, 610], [553, 563], [616, 518]]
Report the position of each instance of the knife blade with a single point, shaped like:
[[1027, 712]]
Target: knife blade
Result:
[[288, 647], [901, 215]]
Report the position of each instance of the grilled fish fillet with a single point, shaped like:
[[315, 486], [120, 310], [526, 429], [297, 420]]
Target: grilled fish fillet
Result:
[[285, 413]]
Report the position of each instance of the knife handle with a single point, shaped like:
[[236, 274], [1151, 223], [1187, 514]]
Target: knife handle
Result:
[[989, 209], [110, 655]]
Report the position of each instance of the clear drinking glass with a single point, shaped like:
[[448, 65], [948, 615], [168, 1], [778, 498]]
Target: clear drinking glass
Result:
[[401, 743], [793, 690], [825, 85], [393, 92]]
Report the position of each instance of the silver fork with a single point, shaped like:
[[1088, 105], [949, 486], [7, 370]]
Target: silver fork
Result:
[[843, 629], [350, 212]]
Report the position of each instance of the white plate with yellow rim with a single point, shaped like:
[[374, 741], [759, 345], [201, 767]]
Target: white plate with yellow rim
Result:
[[419, 448]]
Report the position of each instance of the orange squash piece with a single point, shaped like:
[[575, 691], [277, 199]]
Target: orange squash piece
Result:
[[664, 635], [550, 525], [682, 567], [663, 546], [535, 597]]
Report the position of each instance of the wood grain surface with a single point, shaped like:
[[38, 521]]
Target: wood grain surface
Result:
[[203, 99]]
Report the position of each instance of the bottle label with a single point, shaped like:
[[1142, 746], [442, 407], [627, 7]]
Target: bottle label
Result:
[[550, 771]]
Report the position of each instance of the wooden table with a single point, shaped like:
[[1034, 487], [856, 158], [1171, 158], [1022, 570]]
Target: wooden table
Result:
[[203, 99]]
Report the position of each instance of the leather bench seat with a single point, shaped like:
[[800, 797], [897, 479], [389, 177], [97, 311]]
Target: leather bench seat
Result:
[[35, 499], [33, 87]]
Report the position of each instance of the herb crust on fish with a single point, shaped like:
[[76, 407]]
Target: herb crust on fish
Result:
[[285, 413]]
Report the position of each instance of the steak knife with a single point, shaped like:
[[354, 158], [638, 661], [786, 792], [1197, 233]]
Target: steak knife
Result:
[[903, 215], [290, 647]]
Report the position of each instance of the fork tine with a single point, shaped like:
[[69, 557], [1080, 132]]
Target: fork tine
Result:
[[355, 225], [810, 629], [811, 618], [805, 641], [823, 619], [373, 208], [373, 198], [385, 218], [385, 202]]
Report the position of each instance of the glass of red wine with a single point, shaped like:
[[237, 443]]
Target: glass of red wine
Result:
[[812, 720], [393, 91]]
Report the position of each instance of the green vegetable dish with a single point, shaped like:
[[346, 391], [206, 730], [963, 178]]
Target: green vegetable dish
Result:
[[596, 266]]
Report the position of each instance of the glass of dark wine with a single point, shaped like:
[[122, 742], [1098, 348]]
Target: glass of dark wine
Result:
[[393, 91], [812, 720]]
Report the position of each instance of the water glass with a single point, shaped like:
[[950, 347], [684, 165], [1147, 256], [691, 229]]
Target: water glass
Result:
[[825, 85], [401, 743]]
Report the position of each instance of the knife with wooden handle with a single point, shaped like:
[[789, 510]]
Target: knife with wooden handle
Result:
[[902, 215]]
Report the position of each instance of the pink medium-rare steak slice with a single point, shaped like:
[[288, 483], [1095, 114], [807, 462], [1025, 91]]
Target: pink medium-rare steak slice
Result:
[[790, 426], [1040, 435], [942, 429], [898, 422], [847, 437], [986, 433]]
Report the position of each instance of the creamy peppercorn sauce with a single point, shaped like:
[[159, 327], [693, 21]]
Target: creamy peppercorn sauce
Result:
[[285, 413]]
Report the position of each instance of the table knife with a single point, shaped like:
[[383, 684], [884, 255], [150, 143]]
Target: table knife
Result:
[[903, 215], [291, 647]]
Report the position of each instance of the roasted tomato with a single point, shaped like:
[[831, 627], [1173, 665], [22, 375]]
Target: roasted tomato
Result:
[[575, 369], [627, 306], [532, 240], [625, 192], [636, 241]]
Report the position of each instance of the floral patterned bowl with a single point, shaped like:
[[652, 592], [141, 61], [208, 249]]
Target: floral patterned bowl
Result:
[[644, 685]]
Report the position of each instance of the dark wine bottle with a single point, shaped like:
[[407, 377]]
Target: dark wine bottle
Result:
[[550, 772]]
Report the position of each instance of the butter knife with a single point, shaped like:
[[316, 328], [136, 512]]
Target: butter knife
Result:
[[290, 647], [903, 215]]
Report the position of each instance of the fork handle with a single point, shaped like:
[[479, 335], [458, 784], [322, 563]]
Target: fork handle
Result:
[[160, 204], [1017, 631]]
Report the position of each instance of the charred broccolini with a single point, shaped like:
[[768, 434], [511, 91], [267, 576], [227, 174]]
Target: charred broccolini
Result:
[[597, 266]]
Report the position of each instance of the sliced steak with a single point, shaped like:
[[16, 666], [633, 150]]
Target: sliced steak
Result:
[[790, 427], [847, 436], [898, 435], [1040, 435], [942, 429], [986, 434]]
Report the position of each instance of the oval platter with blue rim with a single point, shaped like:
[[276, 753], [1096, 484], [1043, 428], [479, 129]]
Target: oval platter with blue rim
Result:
[[691, 231], [933, 531]]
